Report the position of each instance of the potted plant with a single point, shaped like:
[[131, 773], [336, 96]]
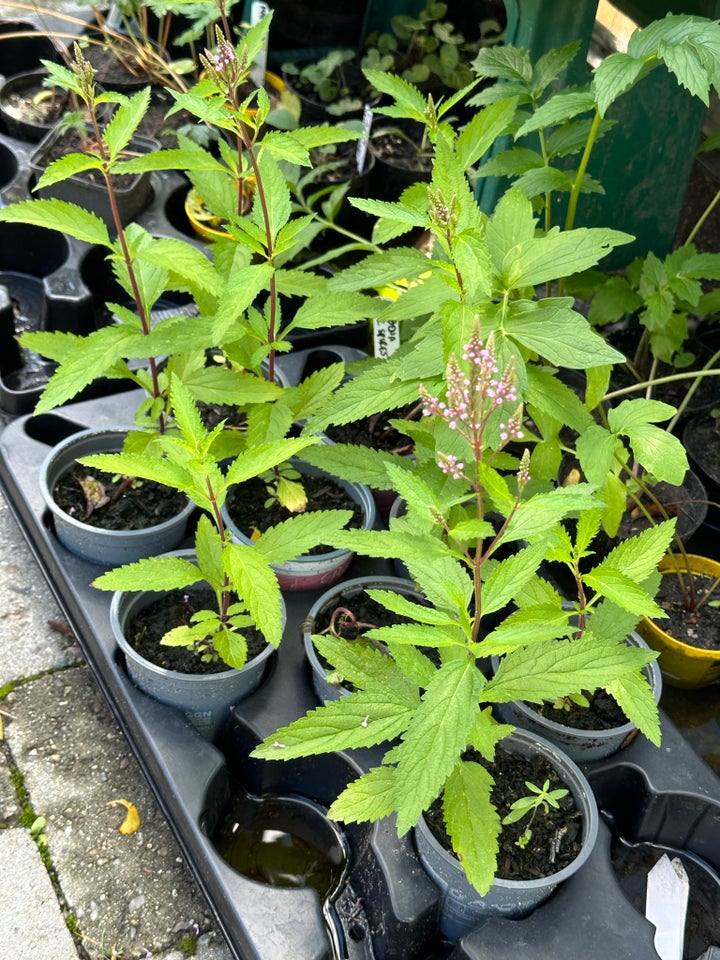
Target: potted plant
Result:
[[425, 48], [687, 646], [330, 88], [440, 709], [239, 576]]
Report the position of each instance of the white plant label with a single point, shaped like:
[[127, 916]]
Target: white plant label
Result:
[[362, 146], [386, 338], [258, 9]]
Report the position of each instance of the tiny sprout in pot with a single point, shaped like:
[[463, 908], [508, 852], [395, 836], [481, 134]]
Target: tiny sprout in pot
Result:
[[461, 907]]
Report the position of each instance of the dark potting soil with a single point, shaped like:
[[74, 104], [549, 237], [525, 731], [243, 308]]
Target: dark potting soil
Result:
[[376, 431], [700, 628], [702, 440], [71, 142], [400, 152], [350, 618], [246, 505], [603, 712], [113, 502], [149, 626], [556, 835], [356, 616], [36, 104]]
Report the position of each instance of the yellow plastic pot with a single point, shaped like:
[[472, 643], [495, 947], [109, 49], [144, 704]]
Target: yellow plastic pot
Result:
[[683, 665]]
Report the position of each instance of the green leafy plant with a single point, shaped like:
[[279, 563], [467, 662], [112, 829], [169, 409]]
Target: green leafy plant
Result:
[[241, 575], [236, 294], [325, 79], [418, 48], [431, 709]]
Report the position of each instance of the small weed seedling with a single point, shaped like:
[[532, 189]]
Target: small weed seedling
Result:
[[539, 798]]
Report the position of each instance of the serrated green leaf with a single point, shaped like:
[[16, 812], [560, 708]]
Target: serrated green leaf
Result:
[[614, 76], [473, 823], [435, 737], [509, 575], [558, 254], [297, 535], [59, 215], [125, 121], [370, 797], [622, 590], [557, 109], [362, 719], [638, 556], [364, 666], [558, 668], [536, 516], [101, 350], [634, 697], [256, 584], [164, 573], [381, 269], [482, 132]]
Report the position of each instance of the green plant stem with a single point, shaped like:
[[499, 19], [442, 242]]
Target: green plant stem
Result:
[[127, 257], [260, 190], [707, 370], [577, 185], [670, 378], [703, 217], [217, 515]]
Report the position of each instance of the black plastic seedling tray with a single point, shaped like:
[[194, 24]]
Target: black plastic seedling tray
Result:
[[386, 908]]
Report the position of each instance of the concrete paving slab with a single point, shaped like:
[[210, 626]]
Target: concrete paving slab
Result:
[[131, 896], [31, 923], [31, 625], [130, 892]]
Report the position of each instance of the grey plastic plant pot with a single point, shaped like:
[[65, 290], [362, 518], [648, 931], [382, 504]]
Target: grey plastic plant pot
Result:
[[580, 745], [107, 547], [316, 571], [340, 594], [461, 906], [206, 698]]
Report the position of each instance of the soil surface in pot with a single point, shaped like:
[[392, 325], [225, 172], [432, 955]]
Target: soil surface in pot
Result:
[[174, 609], [376, 431], [556, 836], [702, 439], [602, 713], [113, 502], [35, 103], [72, 142], [246, 505], [400, 152], [350, 618], [697, 629]]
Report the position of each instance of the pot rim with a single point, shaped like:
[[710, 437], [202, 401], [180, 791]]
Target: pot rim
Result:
[[124, 602], [582, 792], [58, 459]]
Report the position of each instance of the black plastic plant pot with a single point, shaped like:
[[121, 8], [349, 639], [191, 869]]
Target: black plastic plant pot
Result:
[[28, 109], [43, 291], [23, 46], [8, 165], [384, 906], [132, 194]]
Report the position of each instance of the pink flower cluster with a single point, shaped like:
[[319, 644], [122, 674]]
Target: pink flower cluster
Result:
[[224, 57], [472, 397]]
